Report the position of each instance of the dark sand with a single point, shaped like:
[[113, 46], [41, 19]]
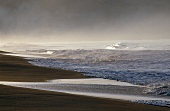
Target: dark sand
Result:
[[20, 99], [17, 69]]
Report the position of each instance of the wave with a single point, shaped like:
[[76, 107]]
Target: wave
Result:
[[137, 67], [159, 88], [117, 46], [108, 45], [139, 46]]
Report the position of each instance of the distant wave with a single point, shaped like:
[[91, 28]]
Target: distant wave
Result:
[[41, 51], [134, 46], [117, 46], [109, 45], [49, 52]]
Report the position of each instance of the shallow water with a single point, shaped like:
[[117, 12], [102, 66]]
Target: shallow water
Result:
[[112, 89]]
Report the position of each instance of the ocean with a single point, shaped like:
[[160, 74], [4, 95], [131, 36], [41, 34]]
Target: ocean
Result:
[[144, 63]]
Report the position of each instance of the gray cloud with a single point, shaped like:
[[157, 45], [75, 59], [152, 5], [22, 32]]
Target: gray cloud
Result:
[[60, 20]]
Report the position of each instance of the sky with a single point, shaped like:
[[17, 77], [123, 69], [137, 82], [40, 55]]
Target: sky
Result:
[[83, 20]]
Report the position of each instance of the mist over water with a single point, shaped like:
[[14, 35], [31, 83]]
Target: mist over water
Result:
[[108, 45], [42, 21]]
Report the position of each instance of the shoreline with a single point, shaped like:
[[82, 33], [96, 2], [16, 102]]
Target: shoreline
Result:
[[105, 89], [53, 76]]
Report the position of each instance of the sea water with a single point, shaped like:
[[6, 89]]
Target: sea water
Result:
[[137, 62]]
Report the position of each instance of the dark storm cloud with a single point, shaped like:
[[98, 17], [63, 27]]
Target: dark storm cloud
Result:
[[112, 19]]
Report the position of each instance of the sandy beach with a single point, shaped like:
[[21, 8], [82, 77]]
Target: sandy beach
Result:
[[16, 71], [84, 55]]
